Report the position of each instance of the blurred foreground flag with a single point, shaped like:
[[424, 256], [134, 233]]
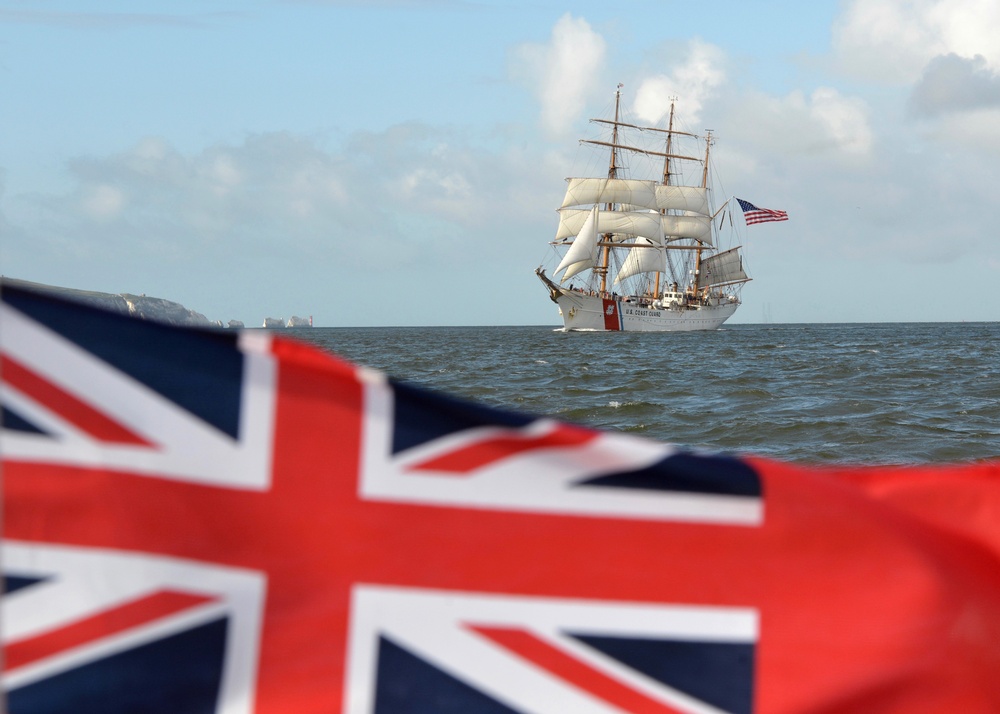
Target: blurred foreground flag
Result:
[[230, 522]]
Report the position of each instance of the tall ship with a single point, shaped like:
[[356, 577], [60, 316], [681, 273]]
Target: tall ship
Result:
[[637, 248]]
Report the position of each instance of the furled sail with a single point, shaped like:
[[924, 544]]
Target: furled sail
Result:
[[582, 254], [723, 268], [652, 259]]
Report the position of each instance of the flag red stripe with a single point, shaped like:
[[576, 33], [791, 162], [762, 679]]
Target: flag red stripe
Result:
[[111, 622], [573, 670], [475, 456], [81, 415], [763, 215]]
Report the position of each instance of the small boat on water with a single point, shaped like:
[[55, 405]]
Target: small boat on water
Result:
[[638, 249]]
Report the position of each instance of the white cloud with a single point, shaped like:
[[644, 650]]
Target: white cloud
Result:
[[822, 123], [102, 202], [152, 202], [224, 173], [152, 149], [562, 72], [844, 119], [406, 194], [691, 82], [953, 84], [893, 40], [975, 130]]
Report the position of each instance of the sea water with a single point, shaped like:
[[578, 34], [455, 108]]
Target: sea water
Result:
[[813, 394]]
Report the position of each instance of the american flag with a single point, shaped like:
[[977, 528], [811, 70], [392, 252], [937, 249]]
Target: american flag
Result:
[[752, 214], [227, 523]]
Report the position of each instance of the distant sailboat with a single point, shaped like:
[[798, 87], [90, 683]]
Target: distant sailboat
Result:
[[645, 248]]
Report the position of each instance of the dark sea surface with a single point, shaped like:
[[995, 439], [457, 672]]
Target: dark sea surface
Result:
[[881, 393]]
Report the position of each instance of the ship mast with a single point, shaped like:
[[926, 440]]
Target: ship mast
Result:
[[666, 172], [704, 184], [612, 173], [670, 139]]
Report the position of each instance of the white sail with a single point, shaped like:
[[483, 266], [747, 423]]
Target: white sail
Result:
[[637, 223], [697, 227], [683, 198], [636, 194], [582, 253], [630, 223], [576, 268], [723, 268], [643, 260], [588, 191]]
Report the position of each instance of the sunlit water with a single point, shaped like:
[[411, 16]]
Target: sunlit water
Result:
[[851, 393]]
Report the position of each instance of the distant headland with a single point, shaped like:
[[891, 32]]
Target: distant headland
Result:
[[149, 308]]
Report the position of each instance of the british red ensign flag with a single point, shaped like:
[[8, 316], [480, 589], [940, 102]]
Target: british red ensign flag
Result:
[[230, 522]]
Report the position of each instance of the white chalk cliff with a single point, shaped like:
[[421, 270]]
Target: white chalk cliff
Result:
[[147, 308]]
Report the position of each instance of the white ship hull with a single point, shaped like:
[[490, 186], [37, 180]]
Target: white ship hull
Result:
[[588, 312]]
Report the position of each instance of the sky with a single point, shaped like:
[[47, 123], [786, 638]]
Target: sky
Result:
[[399, 162]]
